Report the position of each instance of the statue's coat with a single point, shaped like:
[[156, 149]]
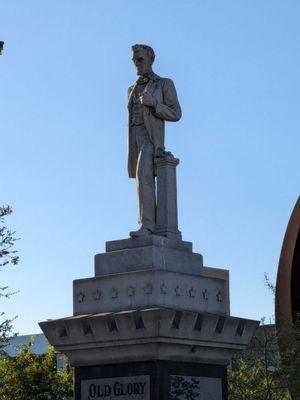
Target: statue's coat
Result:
[[167, 109]]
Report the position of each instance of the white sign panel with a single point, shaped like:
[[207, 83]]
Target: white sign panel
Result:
[[121, 388], [194, 387]]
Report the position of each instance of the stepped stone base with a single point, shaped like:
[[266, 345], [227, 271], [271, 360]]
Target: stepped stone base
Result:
[[151, 240], [151, 322], [150, 288], [151, 271], [150, 252]]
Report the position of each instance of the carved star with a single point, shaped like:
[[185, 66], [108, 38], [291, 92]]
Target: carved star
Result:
[[97, 295], [148, 289], [205, 294], [219, 297], [178, 290], [163, 288], [192, 292], [114, 293], [131, 291], [80, 297]]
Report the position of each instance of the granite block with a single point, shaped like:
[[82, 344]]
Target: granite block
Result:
[[148, 257]]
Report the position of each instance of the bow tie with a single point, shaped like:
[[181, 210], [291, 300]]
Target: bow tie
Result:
[[143, 80]]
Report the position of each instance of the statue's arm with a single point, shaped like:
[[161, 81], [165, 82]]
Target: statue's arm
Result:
[[129, 91], [170, 109]]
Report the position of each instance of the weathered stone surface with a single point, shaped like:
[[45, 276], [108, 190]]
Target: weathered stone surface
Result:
[[150, 240], [166, 210], [151, 334], [142, 289], [148, 257], [219, 273], [168, 380], [152, 100]]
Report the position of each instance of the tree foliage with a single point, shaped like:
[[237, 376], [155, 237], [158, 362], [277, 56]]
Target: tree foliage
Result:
[[290, 357], [27, 376], [7, 240], [257, 374], [8, 256], [34, 377]]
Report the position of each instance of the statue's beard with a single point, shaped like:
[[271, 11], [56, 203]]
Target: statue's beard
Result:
[[143, 73]]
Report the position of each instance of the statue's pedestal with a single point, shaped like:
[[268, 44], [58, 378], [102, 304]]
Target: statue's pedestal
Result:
[[163, 380], [152, 324]]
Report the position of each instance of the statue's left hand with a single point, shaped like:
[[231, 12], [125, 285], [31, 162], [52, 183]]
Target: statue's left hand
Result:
[[148, 100]]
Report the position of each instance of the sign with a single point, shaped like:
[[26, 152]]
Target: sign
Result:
[[121, 388], [194, 387]]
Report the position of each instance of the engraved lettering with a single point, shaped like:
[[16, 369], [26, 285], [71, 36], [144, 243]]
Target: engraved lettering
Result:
[[117, 389], [92, 390], [122, 388], [136, 388], [142, 385], [129, 388], [107, 390], [132, 388], [99, 393]]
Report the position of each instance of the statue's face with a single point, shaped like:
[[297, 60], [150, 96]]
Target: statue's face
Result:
[[142, 62]]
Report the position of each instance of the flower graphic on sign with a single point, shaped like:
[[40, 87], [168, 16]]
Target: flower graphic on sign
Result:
[[184, 387]]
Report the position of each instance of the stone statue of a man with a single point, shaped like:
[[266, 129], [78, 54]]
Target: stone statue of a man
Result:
[[152, 101]]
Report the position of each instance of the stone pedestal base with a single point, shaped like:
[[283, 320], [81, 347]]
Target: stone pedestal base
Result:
[[152, 324], [149, 335], [153, 380]]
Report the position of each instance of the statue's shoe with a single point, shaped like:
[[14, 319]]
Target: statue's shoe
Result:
[[141, 232]]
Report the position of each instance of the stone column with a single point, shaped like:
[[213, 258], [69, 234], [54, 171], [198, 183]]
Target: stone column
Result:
[[166, 213]]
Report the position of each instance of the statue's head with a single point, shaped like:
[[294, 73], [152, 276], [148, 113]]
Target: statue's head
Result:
[[143, 57]]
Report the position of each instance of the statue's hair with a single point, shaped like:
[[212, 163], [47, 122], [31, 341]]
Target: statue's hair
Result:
[[149, 50]]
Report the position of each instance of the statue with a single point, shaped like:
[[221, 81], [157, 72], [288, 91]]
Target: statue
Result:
[[1, 47], [152, 100]]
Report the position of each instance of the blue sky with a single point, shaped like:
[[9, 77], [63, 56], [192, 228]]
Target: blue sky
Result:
[[64, 75]]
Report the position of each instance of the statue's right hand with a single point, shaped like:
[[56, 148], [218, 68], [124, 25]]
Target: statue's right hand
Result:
[[148, 100]]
